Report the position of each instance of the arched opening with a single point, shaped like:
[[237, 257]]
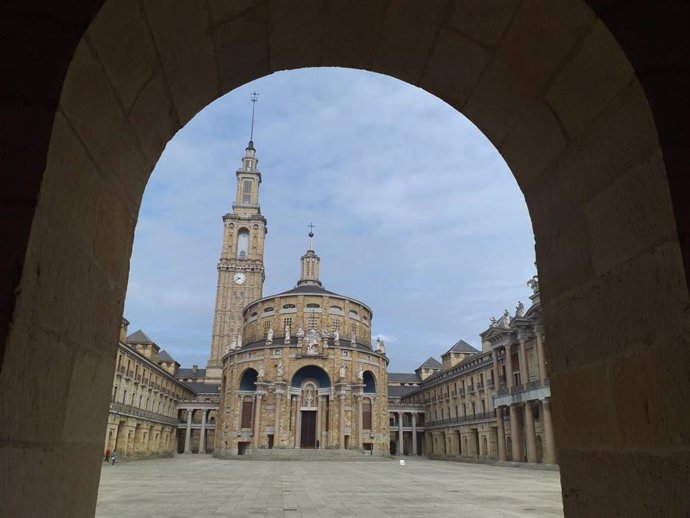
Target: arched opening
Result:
[[564, 106], [369, 382], [248, 380], [311, 372], [242, 243]]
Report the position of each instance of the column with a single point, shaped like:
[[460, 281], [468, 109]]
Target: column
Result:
[[497, 372], [276, 425], [530, 438], [400, 433], [524, 369], [298, 424], [341, 423], [549, 443], [360, 424], [202, 437], [541, 356], [319, 416], [257, 419], [414, 433], [188, 433], [509, 366], [501, 434], [515, 434]]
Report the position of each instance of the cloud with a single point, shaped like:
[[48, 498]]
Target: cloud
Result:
[[416, 213]]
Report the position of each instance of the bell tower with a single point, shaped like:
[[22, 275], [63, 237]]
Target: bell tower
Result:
[[241, 265]]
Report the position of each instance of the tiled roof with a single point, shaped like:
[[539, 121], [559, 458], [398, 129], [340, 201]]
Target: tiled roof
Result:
[[396, 392], [204, 388], [403, 377], [189, 373], [431, 363], [163, 356], [139, 337], [462, 347]]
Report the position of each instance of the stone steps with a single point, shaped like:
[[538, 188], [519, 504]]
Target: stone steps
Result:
[[309, 455]]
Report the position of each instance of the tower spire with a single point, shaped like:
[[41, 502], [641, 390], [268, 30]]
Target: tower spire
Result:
[[254, 98], [310, 263]]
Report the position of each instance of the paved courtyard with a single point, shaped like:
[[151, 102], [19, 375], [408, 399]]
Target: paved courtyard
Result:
[[199, 486]]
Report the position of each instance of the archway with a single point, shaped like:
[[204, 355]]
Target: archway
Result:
[[546, 83]]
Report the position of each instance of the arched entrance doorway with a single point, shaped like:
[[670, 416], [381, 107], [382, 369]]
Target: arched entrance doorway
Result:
[[594, 133], [307, 385]]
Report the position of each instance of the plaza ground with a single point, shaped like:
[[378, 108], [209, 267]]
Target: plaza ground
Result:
[[201, 486]]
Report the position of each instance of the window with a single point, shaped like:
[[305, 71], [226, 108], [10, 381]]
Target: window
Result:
[[311, 321], [247, 187], [268, 309], [289, 306], [335, 324], [313, 306], [287, 322], [242, 243], [366, 414], [246, 198], [267, 326], [247, 411]]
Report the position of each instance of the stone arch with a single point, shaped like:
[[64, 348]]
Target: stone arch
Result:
[[545, 81], [248, 379], [310, 372], [369, 380]]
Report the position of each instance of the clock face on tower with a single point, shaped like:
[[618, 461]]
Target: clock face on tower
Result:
[[239, 278]]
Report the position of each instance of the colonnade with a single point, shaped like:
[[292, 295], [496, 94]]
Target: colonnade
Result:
[[204, 426]]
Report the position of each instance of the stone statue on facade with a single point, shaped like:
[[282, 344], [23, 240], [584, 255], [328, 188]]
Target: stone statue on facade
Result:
[[300, 332], [280, 369], [380, 347], [353, 339], [336, 337], [493, 322], [505, 319], [287, 334], [261, 371], [325, 333], [533, 283], [312, 346], [520, 309], [269, 335], [342, 371], [238, 343], [360, 373]]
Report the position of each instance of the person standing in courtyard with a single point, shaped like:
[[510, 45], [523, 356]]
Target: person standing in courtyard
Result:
[[113, 458], [107, 455]]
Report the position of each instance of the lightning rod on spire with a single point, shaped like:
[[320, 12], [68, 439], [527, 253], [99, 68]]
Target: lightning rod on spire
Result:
[[253, 97]]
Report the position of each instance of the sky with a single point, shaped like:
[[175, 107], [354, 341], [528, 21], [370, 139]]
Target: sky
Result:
[[416, 214]]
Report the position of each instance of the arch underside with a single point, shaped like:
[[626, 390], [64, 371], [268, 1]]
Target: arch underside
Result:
[[545, 81]]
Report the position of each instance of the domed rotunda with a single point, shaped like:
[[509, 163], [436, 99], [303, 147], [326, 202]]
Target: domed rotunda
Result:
[[304, 374]]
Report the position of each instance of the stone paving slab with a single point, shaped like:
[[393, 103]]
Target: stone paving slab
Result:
[[200, 486]]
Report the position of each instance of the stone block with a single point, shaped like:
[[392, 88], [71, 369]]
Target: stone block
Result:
[[590, 80], [639, 303], [619, 138], [535, 141], [539, 39], [455, 83], [564, 257], [483, 21], [583, 409], [86, 417], [631, 215], [153, 118], [34, 392], [633, 483], [64, 480], [124, 45], [242, 48], [641, 383], [353, 32], [182, 33], [401, 56], [71, 186], [295, 33], [91, 107]]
